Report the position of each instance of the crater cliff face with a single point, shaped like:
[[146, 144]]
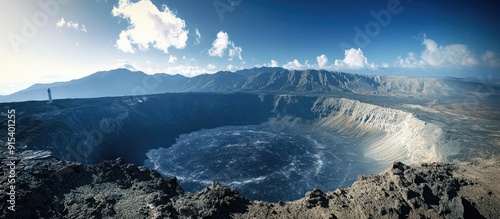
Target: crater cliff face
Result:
[[106, 128], [391, 134], [93, 130], [385, 134]]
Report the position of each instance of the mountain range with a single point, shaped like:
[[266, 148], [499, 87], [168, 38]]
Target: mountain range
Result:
[[123, 82]]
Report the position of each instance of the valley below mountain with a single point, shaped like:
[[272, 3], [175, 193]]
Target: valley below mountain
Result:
[[221, 151]]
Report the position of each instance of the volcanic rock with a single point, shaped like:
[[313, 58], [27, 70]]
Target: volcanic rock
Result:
[[48, 188]]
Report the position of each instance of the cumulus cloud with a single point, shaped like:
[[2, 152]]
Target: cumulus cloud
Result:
[[189, 70], [211, 66], [221, 44], [294, 65], [70, 24], [410, 61], [149, 26], [354, 59], [172, 59], [230, 67], [124, 44], [273, 64], [445, 56], [322, 60], [489, 58]]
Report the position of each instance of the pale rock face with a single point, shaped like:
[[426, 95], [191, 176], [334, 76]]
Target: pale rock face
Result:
[[388, 134], [393, 134]]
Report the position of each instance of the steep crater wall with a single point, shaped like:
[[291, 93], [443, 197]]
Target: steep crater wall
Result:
[[390, 134], [92, 130]]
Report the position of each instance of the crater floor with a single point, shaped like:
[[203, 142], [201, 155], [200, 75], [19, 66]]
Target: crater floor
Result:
[[273, 161]]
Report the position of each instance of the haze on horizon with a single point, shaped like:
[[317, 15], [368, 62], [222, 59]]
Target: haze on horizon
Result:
[[58, 40]]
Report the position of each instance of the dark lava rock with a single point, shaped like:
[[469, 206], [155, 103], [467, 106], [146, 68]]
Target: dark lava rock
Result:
[[49, 188], [214, 201], [316, 198]]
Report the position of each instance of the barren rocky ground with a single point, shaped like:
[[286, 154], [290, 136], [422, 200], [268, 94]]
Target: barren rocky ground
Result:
[[48, 188]]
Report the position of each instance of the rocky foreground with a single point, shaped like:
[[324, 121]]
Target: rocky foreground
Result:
[[48, 188]]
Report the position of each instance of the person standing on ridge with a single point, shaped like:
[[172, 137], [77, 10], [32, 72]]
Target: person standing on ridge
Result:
[[50, 96]]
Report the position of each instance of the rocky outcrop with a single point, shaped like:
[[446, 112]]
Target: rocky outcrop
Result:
[[48, 188], [435, 190], [214, 201]]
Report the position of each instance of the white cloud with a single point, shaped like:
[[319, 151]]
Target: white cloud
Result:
[[385, 65], [454, 55], [124, 44], [172, 59], [322, 60], [235, 51], [354, 59], [294, 65], [273, 64], [489, 58], [411, 61], [446, 56], [211, 66], [60, 23], [230, 67], [188, 70], [70, 24], [307, 65], [221, 44], [125, 64], [149, 26], [198, 36]]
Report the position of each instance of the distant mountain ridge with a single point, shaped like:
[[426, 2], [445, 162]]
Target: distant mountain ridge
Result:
[[123, 82]]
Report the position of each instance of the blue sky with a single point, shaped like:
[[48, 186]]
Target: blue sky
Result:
[[58, 40]]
